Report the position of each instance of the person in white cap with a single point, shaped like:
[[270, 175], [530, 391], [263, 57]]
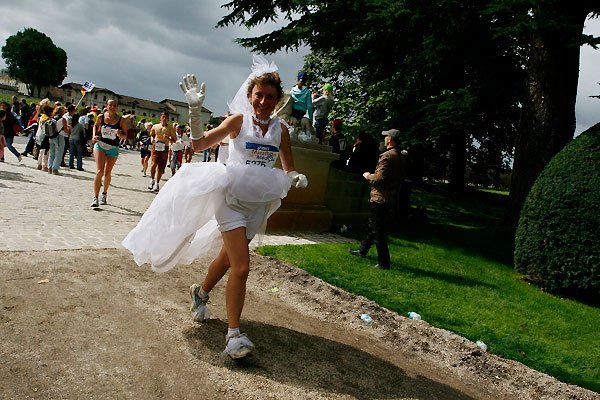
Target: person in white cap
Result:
[[385, 185]]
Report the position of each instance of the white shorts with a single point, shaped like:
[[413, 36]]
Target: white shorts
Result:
[[233, 213]]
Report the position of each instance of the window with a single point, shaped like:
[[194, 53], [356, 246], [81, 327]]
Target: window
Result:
[[96, 96]]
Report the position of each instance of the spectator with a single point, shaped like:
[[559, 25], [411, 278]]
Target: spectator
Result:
[[338, 143], [322, 105], [364, 155], [76, 143], [385, 185], [2, 139], [11, 127]]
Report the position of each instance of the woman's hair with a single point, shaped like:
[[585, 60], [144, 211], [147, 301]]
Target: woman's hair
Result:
[[74, 120], [58, 111], [268, 78], [47, 109]]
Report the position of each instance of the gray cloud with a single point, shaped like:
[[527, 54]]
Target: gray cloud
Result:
[[143, 48]]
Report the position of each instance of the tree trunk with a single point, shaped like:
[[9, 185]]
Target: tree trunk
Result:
[[547, 121]]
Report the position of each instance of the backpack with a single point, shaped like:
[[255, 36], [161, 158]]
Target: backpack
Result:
[[50, 130]]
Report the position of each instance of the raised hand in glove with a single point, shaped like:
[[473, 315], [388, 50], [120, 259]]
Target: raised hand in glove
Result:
[[193, 95], [195, 98], [299, 181]]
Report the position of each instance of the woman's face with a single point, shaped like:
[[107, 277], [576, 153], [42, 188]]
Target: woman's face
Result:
[[264, 100], [111, 106]]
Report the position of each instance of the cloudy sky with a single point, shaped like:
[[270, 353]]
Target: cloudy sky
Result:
[[143, 48]]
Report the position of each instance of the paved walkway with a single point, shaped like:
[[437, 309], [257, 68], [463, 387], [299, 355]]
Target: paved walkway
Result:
[[39, 211]]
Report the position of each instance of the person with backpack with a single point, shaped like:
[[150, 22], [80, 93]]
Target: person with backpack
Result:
[[53, 130], [42, 141]]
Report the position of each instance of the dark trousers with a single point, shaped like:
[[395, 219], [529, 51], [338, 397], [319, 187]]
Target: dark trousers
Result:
[[376, 234], [30, 144]]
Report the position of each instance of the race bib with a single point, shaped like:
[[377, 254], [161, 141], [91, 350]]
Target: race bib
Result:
[[263, 155], [108, 133], [159, 146]]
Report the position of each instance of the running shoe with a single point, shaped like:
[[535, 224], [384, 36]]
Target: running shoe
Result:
[[95, 203], [198, 308], [103, 199], [238, 345], [151, 185], [156, 187]]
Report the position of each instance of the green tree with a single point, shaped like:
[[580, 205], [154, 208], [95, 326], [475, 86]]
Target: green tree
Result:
[[543, 37], [420, 66], [34, 59], [549, 35]]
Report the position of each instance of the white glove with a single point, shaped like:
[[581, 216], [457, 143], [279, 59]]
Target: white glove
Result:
[[299, 181], [195, 98]]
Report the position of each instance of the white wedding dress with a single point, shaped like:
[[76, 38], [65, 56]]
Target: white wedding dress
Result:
[[180, 226]]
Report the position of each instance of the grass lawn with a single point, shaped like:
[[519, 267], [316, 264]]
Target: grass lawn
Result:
[[456, 271]]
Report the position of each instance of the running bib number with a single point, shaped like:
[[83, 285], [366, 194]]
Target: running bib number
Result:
[[263, 155], [108, 133], [159, 146]]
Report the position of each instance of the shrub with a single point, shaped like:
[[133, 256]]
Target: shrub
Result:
[[557, 243]]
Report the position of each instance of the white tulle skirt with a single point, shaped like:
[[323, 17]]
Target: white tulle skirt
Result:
[[180, 226]]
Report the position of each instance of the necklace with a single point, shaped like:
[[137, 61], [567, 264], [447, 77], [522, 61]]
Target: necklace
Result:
[[261, 121]]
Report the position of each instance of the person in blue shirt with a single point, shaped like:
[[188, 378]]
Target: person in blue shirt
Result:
[[302, 98]]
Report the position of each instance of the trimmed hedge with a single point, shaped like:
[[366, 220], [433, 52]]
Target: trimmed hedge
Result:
[[557, 243]]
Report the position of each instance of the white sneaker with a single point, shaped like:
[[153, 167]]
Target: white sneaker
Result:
[[156, 187], [199, 309], [151, 185], [238, 346], [103, 199]]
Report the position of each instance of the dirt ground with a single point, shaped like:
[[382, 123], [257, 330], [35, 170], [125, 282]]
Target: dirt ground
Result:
[[89, 324]]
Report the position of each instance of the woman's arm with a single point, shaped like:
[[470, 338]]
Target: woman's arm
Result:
[[124, 125], [287, 161], [285, 150], [96, 129], [230, 127]]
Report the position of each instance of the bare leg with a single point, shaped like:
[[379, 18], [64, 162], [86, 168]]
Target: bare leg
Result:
[[216, 270], [110, 163], [236, 246], [100, 157]]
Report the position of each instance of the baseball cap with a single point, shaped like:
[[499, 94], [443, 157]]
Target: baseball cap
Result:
[[302, 76], [393, 133], [328, 87]]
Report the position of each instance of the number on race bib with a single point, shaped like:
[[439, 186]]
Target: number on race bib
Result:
[[108, 133], [263, 155]]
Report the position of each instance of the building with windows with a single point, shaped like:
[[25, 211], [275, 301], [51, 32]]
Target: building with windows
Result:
[[71, 93]]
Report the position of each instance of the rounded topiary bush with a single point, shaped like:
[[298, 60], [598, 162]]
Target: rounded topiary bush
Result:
[[557, 243]]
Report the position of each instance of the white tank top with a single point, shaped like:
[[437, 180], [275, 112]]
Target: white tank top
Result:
[[250, 147]]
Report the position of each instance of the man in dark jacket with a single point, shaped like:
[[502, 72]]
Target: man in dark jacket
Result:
[[385, 185]]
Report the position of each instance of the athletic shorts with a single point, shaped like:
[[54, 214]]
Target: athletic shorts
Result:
[[145, 153], [160, 158], [232, 214], [109, 150]]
